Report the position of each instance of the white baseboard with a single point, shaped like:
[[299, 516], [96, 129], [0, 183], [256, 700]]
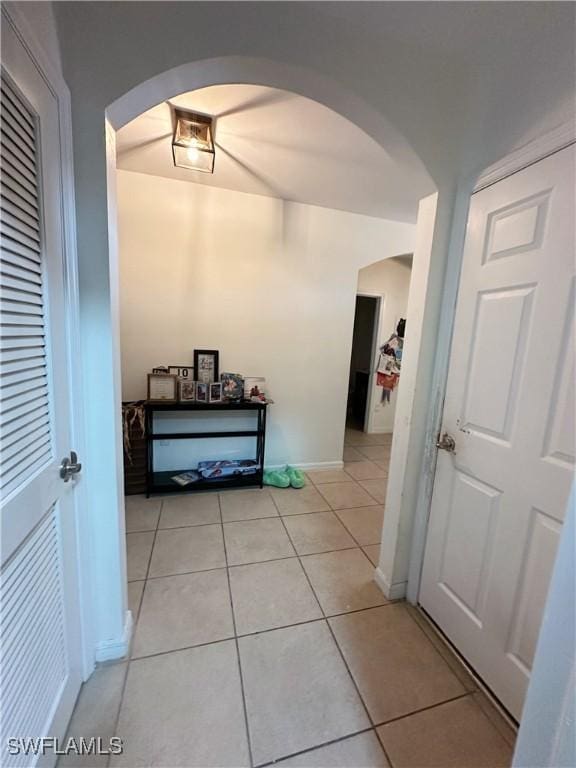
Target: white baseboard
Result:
[[305, 467], [116, 648], [391, 591]]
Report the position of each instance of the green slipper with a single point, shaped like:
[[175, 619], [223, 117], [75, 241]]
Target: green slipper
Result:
[[276, 477], [297, 477]]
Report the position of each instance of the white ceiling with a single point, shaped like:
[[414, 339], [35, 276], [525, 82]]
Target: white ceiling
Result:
[[271, 142]]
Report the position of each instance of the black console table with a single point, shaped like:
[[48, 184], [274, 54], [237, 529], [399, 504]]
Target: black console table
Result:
[[161, 482]]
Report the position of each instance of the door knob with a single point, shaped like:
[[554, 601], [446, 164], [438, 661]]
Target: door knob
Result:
[[70, 466], [446, 443]]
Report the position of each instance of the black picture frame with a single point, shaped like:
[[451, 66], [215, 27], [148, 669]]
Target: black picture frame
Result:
[[198, 353]]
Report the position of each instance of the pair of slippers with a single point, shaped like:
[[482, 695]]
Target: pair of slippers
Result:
[[282, 478]]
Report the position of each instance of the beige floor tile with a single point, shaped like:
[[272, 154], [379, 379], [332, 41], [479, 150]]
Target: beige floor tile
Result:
[[270, 595], [343, 581], [96, 712], [317, 532], [355, 437], [443, 648], [138, 549], [135, 589], [184, 709], [376, 452], [254, 541], [361, 751], [321, 476], [372, 551], [298, 501], [384, 465], [364, 470], [351, 454], [345, 495], [376, 489], [141, 513], [379, 438], [298, 691], [181, 550], [246, 505], [190, 509], [180, 611], [453, 735], [395, 666], [364, 523]]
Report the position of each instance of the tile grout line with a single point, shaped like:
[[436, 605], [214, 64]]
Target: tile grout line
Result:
[[306, 751], [424, 709], [236, 643], [259, 632], [129, 659], [330, 630]]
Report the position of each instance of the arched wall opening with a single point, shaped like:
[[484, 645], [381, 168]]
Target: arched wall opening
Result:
[[240, 70]]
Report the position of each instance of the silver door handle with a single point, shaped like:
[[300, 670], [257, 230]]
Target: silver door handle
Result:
[[446, 443], [70, 466]]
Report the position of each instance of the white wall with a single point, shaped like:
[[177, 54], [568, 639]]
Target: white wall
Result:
[[391, 280], [270, 284]]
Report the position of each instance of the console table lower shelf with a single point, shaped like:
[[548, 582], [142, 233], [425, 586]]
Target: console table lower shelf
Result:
[[161, 482]]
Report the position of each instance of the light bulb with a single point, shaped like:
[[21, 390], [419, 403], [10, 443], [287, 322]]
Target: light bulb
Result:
[[193, 154]]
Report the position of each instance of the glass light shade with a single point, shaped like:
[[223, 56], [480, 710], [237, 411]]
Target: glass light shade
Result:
[[192, 143]]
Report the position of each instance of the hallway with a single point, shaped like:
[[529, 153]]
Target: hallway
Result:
[[260, 636]]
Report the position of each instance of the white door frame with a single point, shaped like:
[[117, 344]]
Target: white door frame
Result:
[[13, 15], [380, 304], [528, 154]]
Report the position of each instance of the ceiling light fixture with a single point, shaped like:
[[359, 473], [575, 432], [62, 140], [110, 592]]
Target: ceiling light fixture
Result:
[[193, 141]]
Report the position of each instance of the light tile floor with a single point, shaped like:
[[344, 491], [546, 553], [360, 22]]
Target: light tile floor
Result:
[[261, 637]]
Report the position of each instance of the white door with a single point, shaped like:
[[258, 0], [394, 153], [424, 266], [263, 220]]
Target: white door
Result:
[[39, 620], [500, 499]]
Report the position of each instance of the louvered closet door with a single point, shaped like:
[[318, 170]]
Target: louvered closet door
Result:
[[39, 617]]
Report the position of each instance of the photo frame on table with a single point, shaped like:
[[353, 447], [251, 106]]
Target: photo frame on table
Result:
[[202, 392], [162, 388], [182, 371], [206, 365], [187, 390], [215, 392], [232, 386]]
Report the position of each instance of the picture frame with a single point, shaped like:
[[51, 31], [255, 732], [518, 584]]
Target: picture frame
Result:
[[215, 392], [187, 390], [182, 371], [202, 392], [206, 365], [232, 387], [162, 388]]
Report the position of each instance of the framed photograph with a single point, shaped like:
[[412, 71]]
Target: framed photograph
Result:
[[232, 386], [162, 388], [187, 391], [215, 392], [182, 371], [202, 392], [206, 365]]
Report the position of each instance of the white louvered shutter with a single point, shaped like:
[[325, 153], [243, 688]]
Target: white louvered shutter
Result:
[[24, 404]]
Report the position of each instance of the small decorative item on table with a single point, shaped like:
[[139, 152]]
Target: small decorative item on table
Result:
[[255, 389], [187, 391], [162, 388], [202, 392], [182, 371], [215, 392], [232, 387], [206, 365], [161, 369]]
